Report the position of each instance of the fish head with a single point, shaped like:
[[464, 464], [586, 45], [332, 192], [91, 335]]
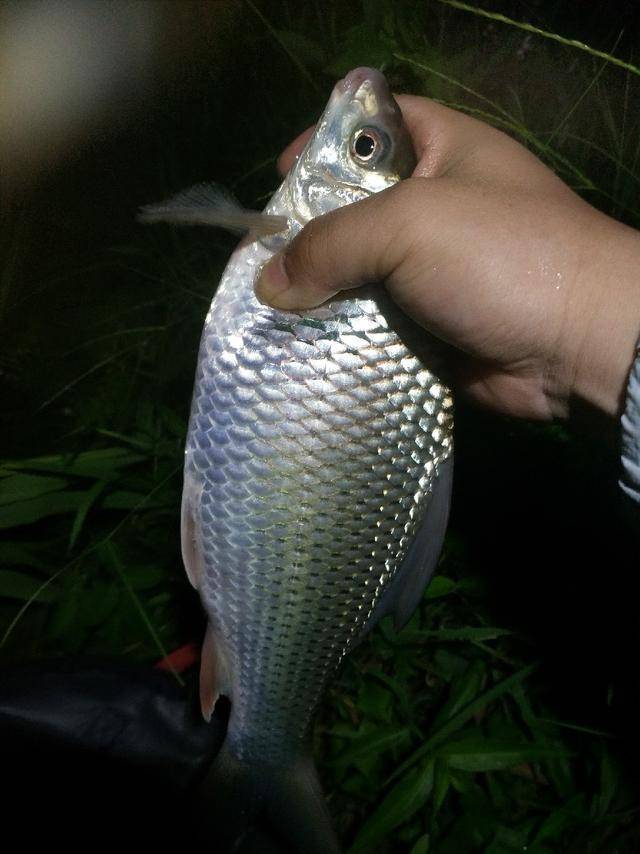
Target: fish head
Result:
[[360, 146]]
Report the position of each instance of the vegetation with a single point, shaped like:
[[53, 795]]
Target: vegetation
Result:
[[501, 719]]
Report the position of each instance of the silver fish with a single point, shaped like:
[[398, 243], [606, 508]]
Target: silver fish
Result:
[[317, 475]]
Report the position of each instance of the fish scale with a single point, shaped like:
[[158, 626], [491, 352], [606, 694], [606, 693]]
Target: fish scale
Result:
[[312, 457]]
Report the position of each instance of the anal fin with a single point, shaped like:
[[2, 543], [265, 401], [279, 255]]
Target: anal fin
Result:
[[213, 674]]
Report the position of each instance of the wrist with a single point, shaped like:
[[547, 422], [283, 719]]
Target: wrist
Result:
[[603, 309]]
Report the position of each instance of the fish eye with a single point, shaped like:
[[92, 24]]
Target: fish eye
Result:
[[366, 145]]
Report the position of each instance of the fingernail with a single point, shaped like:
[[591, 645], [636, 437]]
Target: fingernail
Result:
[[272, 282]]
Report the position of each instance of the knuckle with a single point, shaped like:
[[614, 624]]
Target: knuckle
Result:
[[410, 191], [405, 217], [308, 258]]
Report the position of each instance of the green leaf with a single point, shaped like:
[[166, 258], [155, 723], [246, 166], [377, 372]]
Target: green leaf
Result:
[[109, 553], [464, 688], [397, 687], [21, 487], [34, 509], [64, 622], [374, 744], [81, 513], [561, 820], [486, 754], [146, 577], [524, 704], [121, 499], [18, 585], [448, 664], [475, 587], [474, 822], [466, 633], [402, 802], [441, 783], [143, 443], [98, 603], [508, 840], [440, 586], [457, 721], [361, 45], [344, 729], [561, 773], [421, 845], [103, 464], [375, 701]]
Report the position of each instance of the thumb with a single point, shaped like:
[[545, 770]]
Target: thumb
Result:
[[355, 245]]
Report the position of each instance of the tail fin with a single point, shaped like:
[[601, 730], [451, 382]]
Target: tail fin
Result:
[[241, 796]]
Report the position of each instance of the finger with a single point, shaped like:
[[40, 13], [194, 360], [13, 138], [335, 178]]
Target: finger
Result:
[[453, 144], [293, 151], [362, 242], [440, 135]]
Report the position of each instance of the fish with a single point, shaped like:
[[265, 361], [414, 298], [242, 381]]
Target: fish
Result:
[[317, 476]]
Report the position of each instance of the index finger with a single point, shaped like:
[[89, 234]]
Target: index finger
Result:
[[450, 143]]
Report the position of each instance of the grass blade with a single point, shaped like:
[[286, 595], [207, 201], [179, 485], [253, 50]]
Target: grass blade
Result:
[[372, 745], [106, 539], [112, 556], [536, 31], [490, 754], [91, 496], [402, 802], [458, 720], [299, 65]]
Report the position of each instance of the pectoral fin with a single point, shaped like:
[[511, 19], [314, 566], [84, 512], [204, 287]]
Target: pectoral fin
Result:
[[211, 204], [190, 534]]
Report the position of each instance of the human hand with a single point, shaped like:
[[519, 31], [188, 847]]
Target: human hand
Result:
[[537, 292]]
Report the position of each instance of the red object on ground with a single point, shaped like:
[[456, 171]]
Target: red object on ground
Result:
[[180, 659]]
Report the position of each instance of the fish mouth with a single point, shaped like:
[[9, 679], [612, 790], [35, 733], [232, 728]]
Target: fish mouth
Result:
[[363, 76], [369, 88]]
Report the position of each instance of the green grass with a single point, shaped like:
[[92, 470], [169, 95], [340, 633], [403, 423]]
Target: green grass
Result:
[[500, 719]]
